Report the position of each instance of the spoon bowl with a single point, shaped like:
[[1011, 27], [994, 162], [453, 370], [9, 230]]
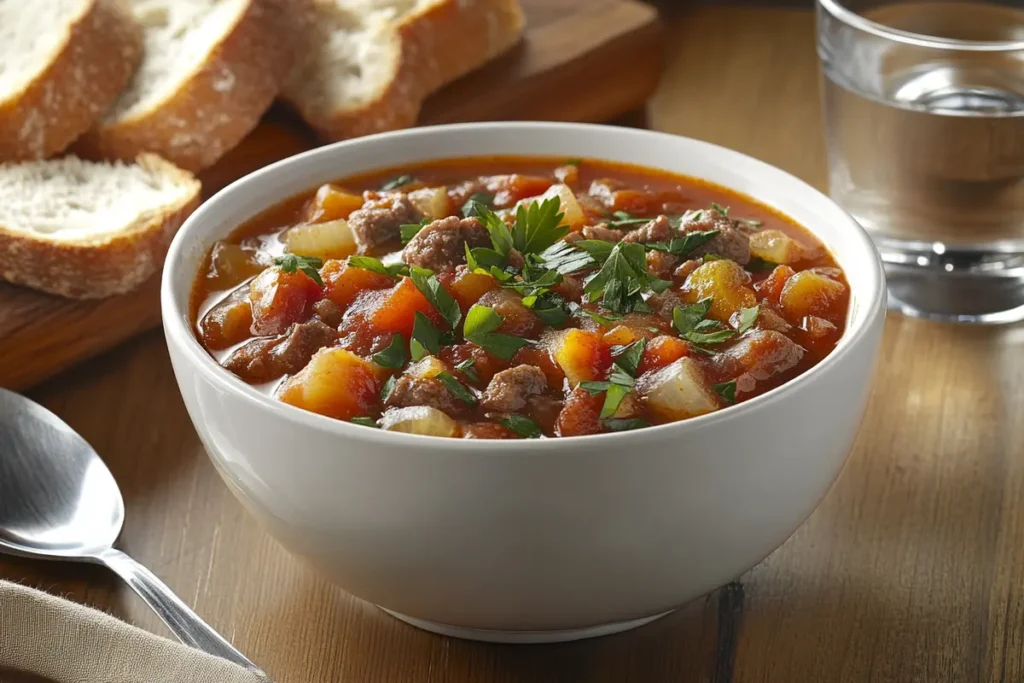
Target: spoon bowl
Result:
[[65, 505], [58, 501]]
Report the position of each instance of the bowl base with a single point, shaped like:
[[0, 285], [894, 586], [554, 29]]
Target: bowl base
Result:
[[525, 637]]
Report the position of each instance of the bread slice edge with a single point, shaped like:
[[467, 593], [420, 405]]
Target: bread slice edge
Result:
[[118, 263], [85, 76]]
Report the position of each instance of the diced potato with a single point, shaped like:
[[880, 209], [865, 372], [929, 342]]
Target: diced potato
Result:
[[661, 351], [432, 202], [583, 356], [678, 391], [332, 202], [725, 282], [778, 247], [227, 323], [620, 335], [468, 287], [397, 311], [280, 299], [333, 239], [335, 382], [343, 283], [810, 293], [426, 368], [419, 420], [573, 216], [231, 264]]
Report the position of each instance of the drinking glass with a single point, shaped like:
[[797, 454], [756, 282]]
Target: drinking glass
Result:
[[924, 123]]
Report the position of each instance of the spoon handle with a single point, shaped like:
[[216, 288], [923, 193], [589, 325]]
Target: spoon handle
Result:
[[182, 621]]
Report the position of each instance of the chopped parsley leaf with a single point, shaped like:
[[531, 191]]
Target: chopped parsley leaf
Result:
[[470, 208], [523, 426], [310, 265], [426, 339], [466, 368], [436, 294], [723, 210], [726, 390], [460, 392], [479, 328], [681, 246], [364, 421], [621, 219], [410, 230], [386, 390], [397, 182], [394, 356], [748, 316], [375, 265], [625, 425]]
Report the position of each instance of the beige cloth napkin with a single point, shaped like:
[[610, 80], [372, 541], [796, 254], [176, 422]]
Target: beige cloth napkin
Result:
[[68, 643]]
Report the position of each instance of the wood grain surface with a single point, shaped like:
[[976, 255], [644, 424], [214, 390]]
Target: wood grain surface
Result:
[[910, 570], [578, 61]]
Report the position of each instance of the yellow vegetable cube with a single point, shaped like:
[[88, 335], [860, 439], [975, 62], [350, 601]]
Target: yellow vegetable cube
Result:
[[778, 247], [583, 356], [419, 420], [333, 239], [335, 382], [725, 282], [810, 293], [432, 202], [569, 206]]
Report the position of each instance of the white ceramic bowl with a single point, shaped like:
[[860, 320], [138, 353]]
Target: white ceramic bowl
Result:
[[532, 540]]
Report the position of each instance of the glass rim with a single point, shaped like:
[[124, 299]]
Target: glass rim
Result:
[[862, 23]]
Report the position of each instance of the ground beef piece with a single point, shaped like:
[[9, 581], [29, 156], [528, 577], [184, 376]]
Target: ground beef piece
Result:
[[660, 264], [570, 287], [379, 221], [664, 303], [267, 358], [687, 267], [441, 245], [328, 312], [731, 242], [657, 230], [601, 231], [510, 389], [758, 356], [422, 391], [519, 320]]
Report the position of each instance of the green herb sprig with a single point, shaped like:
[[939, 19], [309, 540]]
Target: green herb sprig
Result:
[[310, 265]]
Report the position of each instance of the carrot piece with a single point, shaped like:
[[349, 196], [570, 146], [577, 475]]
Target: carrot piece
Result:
[[343, 283], [336, 383], [397, 311], [280, 299], [662, 351], [583, 356]]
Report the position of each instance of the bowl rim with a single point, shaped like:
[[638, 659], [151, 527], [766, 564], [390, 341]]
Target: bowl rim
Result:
[[178, 327]]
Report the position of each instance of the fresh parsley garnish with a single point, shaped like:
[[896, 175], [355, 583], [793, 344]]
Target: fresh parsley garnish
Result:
[[607, 319], [628, 357], [565, 258], [397, 182], [757, 264], [625, 425], [694, 327], [537, 227], [551, 314], [623, 279], [748, 316], [410, 230], [726, 390], [523, 426], [375, 264], [386, 390], [573, 162], [681, 246], [466, 368], [394, 356], [436, 294], [460, 392], [750, 222], [621, 380], [471, 207], [426, 339], [621, 219], [310, 265], [364, 421], [723, 210], [479, 328]]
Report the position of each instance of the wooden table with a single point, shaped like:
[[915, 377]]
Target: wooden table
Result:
[[911, 569]]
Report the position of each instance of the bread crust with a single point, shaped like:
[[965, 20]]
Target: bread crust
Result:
[[438, 45], [214, 107], [93, 65], [93, 270]]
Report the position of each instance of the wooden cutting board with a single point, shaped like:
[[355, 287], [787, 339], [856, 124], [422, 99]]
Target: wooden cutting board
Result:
[[580, 60]]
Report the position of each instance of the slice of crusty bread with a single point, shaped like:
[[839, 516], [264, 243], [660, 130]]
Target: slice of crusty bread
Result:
[[209, 70], [62, 62], [365, 66], [87, 230]]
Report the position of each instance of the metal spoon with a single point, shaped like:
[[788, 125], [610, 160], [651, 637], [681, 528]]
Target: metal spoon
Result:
[[58, 501]]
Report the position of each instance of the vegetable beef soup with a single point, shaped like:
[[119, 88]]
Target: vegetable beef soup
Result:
[[518, 298]]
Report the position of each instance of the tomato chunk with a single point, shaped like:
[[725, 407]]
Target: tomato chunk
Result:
[[280, 299], [662, 351], [770, 288], [580, 415]]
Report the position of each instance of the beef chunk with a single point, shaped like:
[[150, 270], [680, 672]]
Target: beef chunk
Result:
[[441, 245], [518, 319], [759, 355], [328, 312], [380, 220], [665, 302], [660, 264], [657, 230], [601, 231], [424, 391], [731, 242], [267, 358], [510, 389]]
